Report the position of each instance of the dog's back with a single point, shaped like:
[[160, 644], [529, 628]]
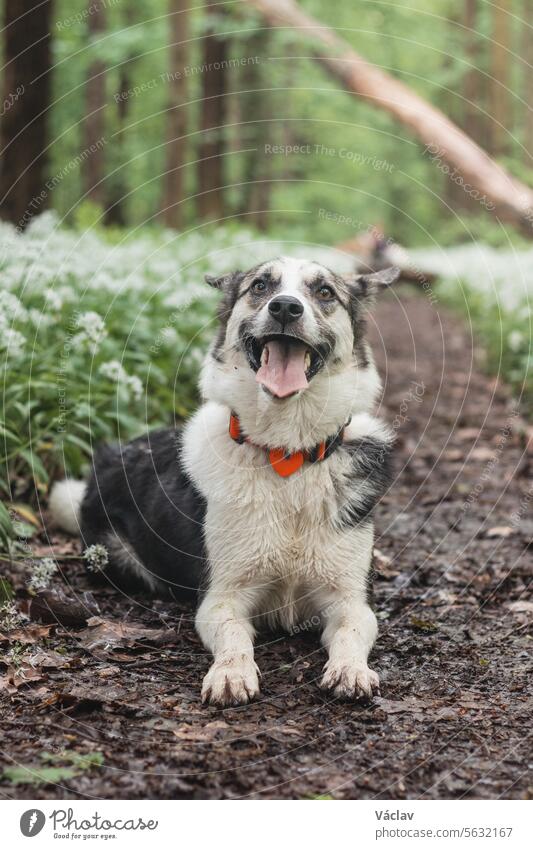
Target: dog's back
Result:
[[141, 505]]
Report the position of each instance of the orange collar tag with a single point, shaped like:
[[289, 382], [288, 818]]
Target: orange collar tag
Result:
[[285, 465]]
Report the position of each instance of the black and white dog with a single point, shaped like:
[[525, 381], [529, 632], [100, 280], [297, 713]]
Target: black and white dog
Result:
[[263, 501]]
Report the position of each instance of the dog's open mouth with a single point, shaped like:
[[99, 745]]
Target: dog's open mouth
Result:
[[283, 364]]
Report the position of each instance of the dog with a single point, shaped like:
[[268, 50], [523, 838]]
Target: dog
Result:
[[262, 503]]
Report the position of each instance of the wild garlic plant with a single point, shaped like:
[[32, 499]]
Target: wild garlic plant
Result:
[[99, 341]]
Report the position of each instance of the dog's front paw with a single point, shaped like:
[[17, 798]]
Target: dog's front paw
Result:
[[234, 681], [350, 680]]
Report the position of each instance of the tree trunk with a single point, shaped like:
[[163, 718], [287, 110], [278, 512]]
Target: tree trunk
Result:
[[527, 85], [456, 109], [473, 85], [116, 186], [257, 113], [213, 110], [443, 140], [25, 103], [94, 166], [499, 96], [176, 148]]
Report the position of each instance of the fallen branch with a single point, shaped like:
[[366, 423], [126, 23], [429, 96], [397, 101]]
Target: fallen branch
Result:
[[512, 200]]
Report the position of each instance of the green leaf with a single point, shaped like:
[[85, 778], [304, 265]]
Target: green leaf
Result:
[[6, 527], [6, 590], [35, 464], [8, 434], [79, 760], [79, 443], [23, 529], [37, 774]]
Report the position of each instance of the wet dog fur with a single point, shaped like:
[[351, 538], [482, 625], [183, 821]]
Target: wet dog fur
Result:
[[193, 512]]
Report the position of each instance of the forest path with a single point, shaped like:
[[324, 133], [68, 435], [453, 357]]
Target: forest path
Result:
[[453, 651]]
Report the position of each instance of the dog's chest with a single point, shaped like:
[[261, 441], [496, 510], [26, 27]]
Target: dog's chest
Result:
[[275, 525], [259, 525]]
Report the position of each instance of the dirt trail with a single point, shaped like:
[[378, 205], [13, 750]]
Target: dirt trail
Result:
[[454, 654]]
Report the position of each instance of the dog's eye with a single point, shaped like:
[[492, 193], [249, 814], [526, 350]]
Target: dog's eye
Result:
[[325, 293], [258, 286]]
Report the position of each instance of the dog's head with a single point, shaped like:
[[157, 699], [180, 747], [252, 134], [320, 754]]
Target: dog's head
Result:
[[292, 331]]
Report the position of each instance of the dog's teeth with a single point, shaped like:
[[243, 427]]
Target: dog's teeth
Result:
[[307, 360], [264, 356]]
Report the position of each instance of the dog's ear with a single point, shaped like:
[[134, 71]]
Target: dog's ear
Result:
[[225, 282], [371, 284]]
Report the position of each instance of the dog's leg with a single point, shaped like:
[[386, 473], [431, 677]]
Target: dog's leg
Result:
[[348, 636], [350, 627], [225, 629]]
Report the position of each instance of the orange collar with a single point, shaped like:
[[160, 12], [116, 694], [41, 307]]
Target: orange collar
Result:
[[283, 463]]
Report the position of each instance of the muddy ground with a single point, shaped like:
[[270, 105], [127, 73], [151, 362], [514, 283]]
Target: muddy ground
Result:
[[90, 711]]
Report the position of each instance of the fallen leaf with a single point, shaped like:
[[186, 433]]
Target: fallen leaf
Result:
[[453, 454], [86, 693], [27, 514], [467, 433], [383, 565], [201, 733], [411, 703], [481, 453], [47, 659], [108, 671], [423, 624], [107, 634], [26, 635], [381, 558], [521, 606], [281, 732], [16, 677], [55, 606], [445, 713], [500, 531]]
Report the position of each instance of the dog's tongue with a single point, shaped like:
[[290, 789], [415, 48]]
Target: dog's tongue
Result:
[[283, 368]]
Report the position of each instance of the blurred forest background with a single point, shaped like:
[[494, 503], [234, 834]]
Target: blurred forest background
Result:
[[183, 100], [144, 145]]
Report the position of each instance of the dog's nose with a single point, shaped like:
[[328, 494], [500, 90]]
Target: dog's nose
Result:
[[285, 309]]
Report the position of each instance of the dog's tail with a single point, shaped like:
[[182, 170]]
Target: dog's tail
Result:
[[65, 504]]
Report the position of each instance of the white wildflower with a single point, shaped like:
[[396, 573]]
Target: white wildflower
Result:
[[41, 574], [40, 319], [195, 357], [516, 340], [11, 307], [96, 557], [169, 337], [12, 341], [113, 370], [136, 387], [53, 299], [42, 225], [10, 617], [92, 327]]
